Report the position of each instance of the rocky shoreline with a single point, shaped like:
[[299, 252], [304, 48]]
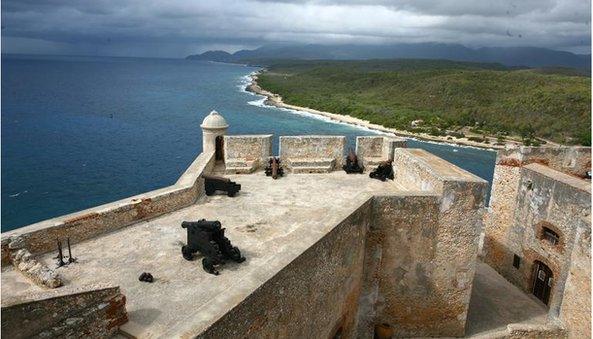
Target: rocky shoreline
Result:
[[273, 99]]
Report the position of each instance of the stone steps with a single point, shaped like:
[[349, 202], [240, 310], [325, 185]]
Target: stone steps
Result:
[[240, 166], [312, 165], [312, 169]]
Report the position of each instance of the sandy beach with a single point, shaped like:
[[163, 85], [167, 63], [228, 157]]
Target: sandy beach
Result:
[[273, 99]]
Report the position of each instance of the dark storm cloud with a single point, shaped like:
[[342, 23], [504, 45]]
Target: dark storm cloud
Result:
[[176, 28]]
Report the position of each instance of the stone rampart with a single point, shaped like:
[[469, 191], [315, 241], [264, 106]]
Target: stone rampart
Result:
[[573, 160], [41, 237], [575, 311], [312, 151], [372, 150], [246, 153], [433, 260], [65, 313]]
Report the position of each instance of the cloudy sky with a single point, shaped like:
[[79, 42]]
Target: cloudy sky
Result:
[[176, 28]]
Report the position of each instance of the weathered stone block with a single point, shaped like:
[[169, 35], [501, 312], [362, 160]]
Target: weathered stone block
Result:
[[84, 313], [313, 148], [246, 153]]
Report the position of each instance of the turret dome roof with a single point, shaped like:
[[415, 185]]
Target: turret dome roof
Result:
[[214, 120]]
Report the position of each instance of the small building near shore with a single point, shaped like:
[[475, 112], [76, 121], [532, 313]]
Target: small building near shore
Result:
[[417, 123]]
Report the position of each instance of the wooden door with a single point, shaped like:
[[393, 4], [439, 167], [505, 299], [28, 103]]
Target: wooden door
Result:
[[542, 284]]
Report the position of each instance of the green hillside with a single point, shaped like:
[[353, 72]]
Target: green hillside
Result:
[[490, 98]]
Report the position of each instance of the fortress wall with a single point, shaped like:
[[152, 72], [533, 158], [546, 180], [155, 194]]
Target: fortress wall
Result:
[[41, 237], [411, 172], [573, 160], [313, 147], [422, 248], [314, 296], [545, 198], [369, 146], [398, 288], [505, 185], [575, 311], [391, 144], [377, 147], [532, 188], [97, 311], [499, 218], [460, 224], [248, 147]]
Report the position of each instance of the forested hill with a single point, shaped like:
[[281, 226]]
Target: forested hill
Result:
[[510, 56], [450, 97]]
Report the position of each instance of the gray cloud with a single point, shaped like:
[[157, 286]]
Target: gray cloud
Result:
[[176, 28]]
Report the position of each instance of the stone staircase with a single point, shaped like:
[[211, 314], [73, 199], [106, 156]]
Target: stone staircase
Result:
[[311, 165]]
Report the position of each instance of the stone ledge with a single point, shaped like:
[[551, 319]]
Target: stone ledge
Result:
[[37, 272]]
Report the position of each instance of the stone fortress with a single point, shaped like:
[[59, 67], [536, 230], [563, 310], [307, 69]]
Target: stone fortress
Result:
[[329, 254]]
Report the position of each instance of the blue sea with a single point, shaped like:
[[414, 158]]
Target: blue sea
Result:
[[83, 131]]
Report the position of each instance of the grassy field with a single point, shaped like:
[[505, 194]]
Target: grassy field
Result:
[[450, 97]]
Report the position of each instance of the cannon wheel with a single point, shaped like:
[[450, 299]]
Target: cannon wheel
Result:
[[187, 255], [231, 194]]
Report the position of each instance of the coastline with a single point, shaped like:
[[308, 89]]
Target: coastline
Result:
[[275, 100]]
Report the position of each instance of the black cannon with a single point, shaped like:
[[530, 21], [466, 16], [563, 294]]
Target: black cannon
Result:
[[352, 165], [274, 169], [383, 172], [207, 237], [213, 183]]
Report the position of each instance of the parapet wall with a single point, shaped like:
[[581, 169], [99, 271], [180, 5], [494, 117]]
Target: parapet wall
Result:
[[573, 160], [372, 150], [41, 237], [248, 148], [313, 147], [63, 313]]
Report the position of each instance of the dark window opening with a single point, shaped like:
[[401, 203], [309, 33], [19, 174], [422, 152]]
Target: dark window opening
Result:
[[516, 261], [550, 236]]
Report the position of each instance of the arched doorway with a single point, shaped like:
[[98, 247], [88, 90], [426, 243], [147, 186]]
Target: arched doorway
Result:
[[542, 281], [219, 153]]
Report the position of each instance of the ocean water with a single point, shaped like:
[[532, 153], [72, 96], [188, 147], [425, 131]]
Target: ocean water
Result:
[[82, 131]]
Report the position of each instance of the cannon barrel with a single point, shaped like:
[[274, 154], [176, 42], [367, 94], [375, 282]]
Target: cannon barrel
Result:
[[201, 224]]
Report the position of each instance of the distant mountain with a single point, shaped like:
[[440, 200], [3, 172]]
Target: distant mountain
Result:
[[221, 56], [509, 56]]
